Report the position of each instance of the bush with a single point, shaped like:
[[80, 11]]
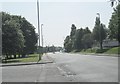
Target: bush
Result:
[[101, 51]]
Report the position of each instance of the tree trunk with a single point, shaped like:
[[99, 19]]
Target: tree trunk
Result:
[[19, 55], [10, 56], [15, 56], [101, 47], [6, 57]]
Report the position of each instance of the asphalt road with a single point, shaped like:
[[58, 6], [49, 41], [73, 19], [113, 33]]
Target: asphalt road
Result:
[[87, 68], [66, 68]]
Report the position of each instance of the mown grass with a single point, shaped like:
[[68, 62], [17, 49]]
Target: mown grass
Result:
[[29, 58], [115, 50]]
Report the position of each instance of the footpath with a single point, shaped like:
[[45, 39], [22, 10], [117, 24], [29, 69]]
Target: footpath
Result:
[[97, 54], [45, 59]]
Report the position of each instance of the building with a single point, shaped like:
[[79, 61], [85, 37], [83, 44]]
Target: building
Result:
[[110, 43]]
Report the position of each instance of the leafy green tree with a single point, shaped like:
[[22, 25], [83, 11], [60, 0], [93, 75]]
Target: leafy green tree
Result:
[[78, 39], [18, 35], [99, 32], [29, 36], [68, 44], [73, 31], [114, 24], [72, 35], [5, 17], [87, 41], [12, 37], [87, 31], [87, 38], [82, 39]]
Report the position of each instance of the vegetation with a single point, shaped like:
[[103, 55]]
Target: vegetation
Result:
[[30, 58], [99, 32], [114, 24], [78, 39], [84, 39], [18, 36], [115, 50]]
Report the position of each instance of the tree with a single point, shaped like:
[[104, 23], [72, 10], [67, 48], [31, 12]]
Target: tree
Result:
[[114, 24], [12, 37], [87, 31], [29, 36], [99, 32], [82, 38], [113, 1], [87, 40], [103, 34], [18, 35], [78, 39], [68, 44], [72, 35]]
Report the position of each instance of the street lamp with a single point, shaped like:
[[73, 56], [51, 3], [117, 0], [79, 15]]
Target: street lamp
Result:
[[100, 38], [98, 15]]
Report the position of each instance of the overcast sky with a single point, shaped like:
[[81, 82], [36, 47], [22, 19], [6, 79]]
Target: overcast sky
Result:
[[58, 17]]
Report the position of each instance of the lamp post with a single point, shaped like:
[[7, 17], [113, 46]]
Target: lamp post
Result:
[[42, 37], [100, 38]]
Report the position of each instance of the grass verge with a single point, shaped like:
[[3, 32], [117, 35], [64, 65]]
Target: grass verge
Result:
[[115, 50], [30, 58]]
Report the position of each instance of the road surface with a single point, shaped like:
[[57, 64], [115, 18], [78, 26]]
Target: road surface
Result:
[[66, 68], [87, 68]]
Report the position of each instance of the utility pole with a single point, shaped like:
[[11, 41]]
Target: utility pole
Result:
[[38, 30], [42, 37]]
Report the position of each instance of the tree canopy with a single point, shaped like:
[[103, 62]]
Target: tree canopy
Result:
[[78, 39], [18, 35], [99, 32], [114, 24]]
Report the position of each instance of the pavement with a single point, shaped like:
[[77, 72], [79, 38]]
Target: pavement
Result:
[[98, 54]]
